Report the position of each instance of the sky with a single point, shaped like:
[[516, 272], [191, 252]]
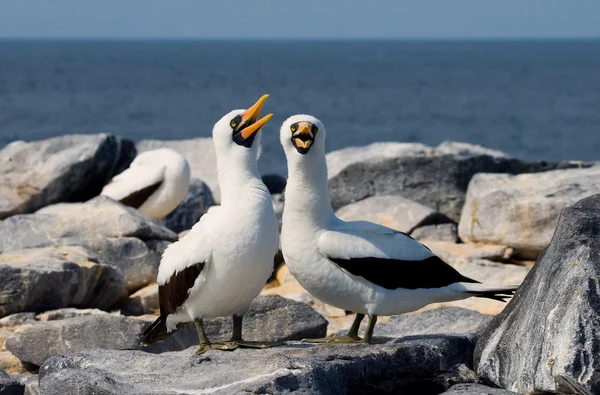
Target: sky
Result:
[[281, 19]]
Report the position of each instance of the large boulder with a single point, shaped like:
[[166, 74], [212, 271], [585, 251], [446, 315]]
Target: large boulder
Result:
[[522, 211], [196, 202], [117, 235], [433, 178], [41, 279], [270, 318], [424, 365], [61, 169], [548, 337], [35, 343], [395, 212]]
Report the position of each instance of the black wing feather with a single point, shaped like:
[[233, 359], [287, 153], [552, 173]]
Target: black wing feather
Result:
[[395, 273], [137, 198], [171, 296]]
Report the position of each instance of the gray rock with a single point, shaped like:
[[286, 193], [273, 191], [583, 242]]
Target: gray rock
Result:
[[434, 180], [441, 232], [522, 211], [392, 211], [61, 169], [34, 343], [144, 300], [17, 319], [475, 389], [270, 318], [443, 320], [548, 337], [118, 235], [41, 279], [408, 366], [467, 149], [4, 375], [69, 312], [195, 203], [340, 159]]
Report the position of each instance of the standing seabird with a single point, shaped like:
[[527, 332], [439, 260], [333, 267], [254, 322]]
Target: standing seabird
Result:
[[222, 264], [155, 183], [358, 266]]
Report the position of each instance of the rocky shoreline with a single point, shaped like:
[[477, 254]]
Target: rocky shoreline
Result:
[[77, 276]]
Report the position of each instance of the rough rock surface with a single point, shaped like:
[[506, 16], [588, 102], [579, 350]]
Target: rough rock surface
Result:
[[471, 251], [34, 343], [467, 149], [441, 232], [521, 211], [117, 235], [146, 299], [68, 312], [61, 169], [434, 180], [17, 319], [548, 337], [476, 389], [392, 211], [444, 320], [407, 366], [40, 279], [270, 318], [195, 203], [340, 159]]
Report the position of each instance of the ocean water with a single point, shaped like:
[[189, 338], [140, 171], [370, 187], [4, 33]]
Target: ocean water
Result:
[[533, 100]]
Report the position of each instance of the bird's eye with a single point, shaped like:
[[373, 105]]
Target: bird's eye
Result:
[[293, 128], [315, 129], [233, 124]]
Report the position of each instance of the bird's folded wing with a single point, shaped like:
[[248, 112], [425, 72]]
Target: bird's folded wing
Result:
[[386, 257], [135, 185]]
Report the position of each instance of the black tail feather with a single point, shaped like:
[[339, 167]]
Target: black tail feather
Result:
[[155, 332], [500, 295]]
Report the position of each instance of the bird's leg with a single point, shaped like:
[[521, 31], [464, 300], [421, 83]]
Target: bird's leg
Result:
[[370, 326], [236, 336], [205, 344], [351, 337]]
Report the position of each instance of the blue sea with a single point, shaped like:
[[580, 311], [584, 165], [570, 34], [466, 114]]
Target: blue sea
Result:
[[531, 99]]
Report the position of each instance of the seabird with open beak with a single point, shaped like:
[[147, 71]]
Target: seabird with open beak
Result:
[[222, 264], [358, 266]]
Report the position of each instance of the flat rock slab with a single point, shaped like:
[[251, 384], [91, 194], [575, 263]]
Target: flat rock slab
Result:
[[68, 312], [547, 338], [394, 212], [522, 211], [476, 389], [407, 366], [40, 279], [62, 169], [443, 320], [270, 318], [441, 232], [436, 180]]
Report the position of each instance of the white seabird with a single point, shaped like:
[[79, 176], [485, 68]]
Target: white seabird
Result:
[[222, 264], [155, 183], [358, 266]]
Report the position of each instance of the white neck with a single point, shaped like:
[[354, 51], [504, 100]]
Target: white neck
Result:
[[239, 175], [307, 192]]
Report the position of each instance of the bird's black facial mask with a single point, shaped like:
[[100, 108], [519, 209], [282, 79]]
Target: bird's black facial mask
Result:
[[246, 125], [303, 136]]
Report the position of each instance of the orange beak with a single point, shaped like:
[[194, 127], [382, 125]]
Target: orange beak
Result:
[[251, 116]]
